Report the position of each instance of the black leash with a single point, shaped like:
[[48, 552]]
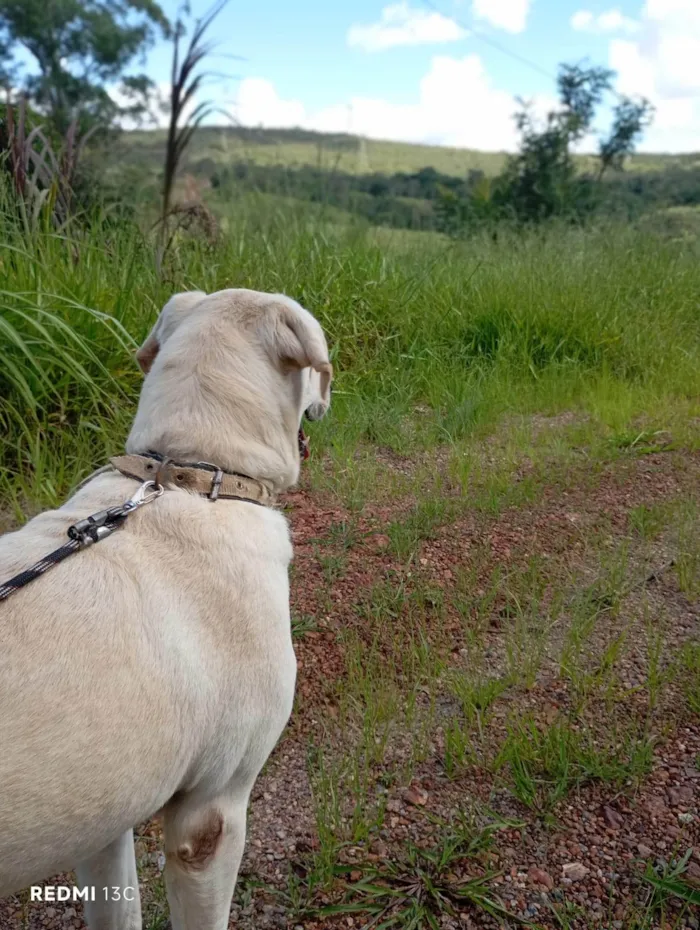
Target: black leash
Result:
[[100, 525], [83, 534], [29, 574]]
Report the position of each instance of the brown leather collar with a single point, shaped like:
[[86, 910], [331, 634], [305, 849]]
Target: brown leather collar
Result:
[[200, 477]]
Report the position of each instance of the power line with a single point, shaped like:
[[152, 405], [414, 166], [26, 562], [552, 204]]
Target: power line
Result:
[[492, 42], [502, 48]]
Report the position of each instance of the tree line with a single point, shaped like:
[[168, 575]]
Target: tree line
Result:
[[542, 180]]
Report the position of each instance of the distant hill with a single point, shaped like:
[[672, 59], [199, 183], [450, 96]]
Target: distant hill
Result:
[[214, 147], [393, 184]]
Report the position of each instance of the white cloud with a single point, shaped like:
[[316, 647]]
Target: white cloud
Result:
[[582, 20], [260, 105], [510, 15], [400, 24], [457, 105], [662, 63], [610, 21]]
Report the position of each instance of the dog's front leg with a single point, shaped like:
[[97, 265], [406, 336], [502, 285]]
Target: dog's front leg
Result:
[[112, 876], [203, 849]]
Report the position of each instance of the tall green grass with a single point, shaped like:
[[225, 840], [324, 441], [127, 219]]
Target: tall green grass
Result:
[[605, 320]]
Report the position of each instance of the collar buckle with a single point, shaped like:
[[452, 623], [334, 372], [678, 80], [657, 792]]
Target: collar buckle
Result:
[[216, 484]]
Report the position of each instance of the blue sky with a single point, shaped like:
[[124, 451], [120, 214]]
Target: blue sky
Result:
[[446, 71], [304, 47]]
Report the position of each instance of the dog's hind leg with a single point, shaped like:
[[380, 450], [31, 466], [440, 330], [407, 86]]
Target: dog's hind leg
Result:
[[112, 881], [203, 848]]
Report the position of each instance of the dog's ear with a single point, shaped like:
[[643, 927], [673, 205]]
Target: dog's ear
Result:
[[146, 355], [298, 340], [169, 317]]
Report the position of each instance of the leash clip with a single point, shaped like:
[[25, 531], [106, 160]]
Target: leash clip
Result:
[[84, 533], [141, 497], [99, 525]]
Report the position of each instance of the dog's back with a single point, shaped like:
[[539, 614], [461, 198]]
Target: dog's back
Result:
[[152, 662]]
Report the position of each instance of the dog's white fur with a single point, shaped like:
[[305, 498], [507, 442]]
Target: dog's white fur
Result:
[[155, 670]]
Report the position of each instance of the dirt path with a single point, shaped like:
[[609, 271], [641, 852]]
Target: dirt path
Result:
[[523, 682]]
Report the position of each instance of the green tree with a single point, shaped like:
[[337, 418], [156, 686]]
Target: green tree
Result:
[[78, 47], [542, 180], [630, 119]]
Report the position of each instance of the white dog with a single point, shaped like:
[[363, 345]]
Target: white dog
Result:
[[154, 671]]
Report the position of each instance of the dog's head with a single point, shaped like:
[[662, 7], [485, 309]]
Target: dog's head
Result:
[[229, 374]]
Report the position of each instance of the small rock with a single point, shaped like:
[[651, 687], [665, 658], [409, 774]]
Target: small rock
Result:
[[681, 795], [644, 851], [692, 873], [355, 875], [416, 796], [686, 818], [540, 877], [656, 806], [50, 912], [140, 849], [379, 848], [612, 818], [574, 871]]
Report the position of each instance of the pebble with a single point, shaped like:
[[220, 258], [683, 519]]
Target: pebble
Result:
[[656, 806], [416, 796], [574, 871], [379, 848], [540, 877], [644, 851], [140, 849], [681, 795], [612, 818]]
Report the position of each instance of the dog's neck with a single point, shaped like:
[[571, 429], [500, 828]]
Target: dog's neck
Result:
[[252, 457], [242, 422]]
